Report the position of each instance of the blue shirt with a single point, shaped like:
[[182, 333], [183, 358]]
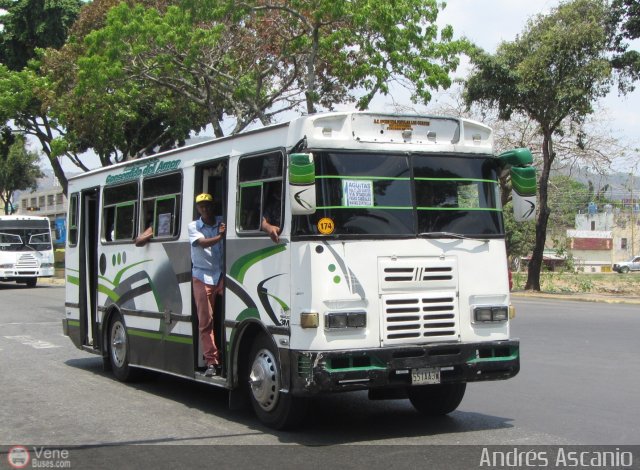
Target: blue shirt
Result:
[[207, 262]]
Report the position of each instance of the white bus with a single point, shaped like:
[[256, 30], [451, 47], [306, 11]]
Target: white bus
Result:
[[390, 274], [26, 250]]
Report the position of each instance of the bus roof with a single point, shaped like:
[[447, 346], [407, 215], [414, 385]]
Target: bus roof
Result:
[[22, 217], [367, 131]]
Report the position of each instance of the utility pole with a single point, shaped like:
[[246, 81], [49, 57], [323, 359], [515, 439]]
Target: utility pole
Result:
[[633, 221]]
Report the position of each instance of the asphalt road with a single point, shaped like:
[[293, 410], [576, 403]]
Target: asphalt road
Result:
[[578, 384]]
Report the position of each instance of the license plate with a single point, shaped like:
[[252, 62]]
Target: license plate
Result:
[[425, 376]]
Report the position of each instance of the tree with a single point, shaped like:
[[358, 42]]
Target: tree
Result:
[[625, 21], [19, 170], [116, 116], [551, 73], [27, 26], [253, 60], [31, 24]]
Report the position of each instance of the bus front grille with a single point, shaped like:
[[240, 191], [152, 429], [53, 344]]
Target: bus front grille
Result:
[[27, 261], [420, 318]]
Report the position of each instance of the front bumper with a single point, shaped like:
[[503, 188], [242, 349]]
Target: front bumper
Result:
[[315, 372]]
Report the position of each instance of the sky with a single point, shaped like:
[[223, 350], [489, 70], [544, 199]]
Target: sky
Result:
[[487, 23]]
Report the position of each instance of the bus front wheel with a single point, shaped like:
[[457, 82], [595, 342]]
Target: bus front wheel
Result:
[[274, 408], [436, 400]]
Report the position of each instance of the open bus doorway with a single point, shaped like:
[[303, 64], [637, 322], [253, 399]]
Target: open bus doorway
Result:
[[211, 178]]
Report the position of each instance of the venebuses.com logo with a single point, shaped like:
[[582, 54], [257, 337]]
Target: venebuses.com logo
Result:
[[18, 457], [38, 457]]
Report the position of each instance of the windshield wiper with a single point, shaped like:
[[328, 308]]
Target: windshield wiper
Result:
[[450, 235]]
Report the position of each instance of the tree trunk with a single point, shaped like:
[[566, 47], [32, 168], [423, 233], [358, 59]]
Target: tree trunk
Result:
[[310, 92], [535, 265]]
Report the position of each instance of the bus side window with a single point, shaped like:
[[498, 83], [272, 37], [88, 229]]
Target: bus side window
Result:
[[161, 205], [119, 212], [259, 178], [73, 220]]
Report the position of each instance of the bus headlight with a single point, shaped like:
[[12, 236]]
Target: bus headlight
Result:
[[484, 314], [46, 265], [6, 266], [337, 320]]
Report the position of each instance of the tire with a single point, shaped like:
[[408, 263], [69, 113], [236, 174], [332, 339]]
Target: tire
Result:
[[436, 400], [119, 350], [275, 409], [32, 281], [624, 269]]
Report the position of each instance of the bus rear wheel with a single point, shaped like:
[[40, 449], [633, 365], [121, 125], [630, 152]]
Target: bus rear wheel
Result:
[[274, 408], [436, 400], [119, 350]]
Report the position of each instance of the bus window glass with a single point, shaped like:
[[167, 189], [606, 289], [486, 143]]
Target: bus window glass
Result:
[[161, 205], [387, 195], [119, 212], [260, 191], [457, 194], [73, 220]]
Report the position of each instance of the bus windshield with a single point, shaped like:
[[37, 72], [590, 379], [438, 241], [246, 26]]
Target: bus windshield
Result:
[[25, 239], [405, 195]]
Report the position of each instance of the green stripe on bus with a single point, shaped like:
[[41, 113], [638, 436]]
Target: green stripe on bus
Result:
[[108, 292], [242, 264], [159, 336], [367, 207], [473, 180], [73, 323], [368, 178], [73, 280], [490, 209]]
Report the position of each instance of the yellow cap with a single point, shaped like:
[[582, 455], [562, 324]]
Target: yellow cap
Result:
[[204, 197]]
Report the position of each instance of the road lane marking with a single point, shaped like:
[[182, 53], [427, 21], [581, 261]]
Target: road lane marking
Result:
[[34, 343]]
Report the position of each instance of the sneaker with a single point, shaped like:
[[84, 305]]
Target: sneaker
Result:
[[212, 370]]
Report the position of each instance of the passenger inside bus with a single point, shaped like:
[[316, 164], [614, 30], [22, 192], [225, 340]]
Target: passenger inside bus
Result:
[[271, 215]]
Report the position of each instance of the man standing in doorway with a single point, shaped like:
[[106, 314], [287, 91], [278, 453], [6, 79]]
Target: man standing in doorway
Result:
[[206, 236]]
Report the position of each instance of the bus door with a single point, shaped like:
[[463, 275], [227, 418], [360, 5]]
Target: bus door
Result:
[[211, 177], [88, 250]]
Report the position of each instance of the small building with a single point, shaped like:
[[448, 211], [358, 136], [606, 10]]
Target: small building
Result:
[[47, 201], [601, 238]]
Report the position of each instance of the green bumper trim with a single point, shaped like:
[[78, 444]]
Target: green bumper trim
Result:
[[477, 360]]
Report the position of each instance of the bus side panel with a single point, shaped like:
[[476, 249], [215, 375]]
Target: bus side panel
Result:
[[258, 281], [151, 286]]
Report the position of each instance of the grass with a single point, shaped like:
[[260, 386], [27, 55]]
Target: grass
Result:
[[597, 283]]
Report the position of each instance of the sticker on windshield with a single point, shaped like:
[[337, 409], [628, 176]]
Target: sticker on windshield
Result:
[[326, 226], [357, 193]]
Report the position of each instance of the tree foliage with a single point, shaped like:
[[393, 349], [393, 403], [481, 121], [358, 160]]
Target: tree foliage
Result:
[[553, 72], [114, 115], [31, 24], [19, 170], [250, 61], [27, 26], [625, 16]]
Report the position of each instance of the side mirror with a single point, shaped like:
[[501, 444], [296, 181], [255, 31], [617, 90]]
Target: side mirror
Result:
[[523, 194], [302, 183], [523, 182]]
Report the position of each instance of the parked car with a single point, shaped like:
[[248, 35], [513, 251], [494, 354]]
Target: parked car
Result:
[[625, 266]]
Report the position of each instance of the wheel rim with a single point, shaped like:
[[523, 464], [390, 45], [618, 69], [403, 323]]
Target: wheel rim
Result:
[[118, 344], [264, 381]]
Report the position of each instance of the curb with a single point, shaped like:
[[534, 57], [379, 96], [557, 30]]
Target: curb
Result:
[[608, 299]]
